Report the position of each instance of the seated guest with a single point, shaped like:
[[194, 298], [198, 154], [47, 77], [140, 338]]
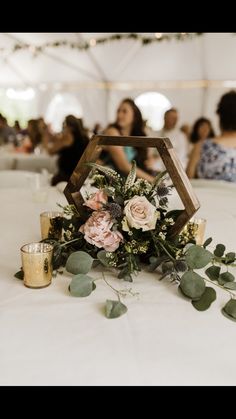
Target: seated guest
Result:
[[216, 158], [128, 122], [202, 130], [177, 138], [69, 145], [7, 134]]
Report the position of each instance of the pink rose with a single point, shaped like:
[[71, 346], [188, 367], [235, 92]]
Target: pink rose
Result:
[[96, 201], [97, 231]]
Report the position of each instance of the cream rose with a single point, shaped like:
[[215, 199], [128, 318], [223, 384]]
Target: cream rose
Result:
[[140, 213]]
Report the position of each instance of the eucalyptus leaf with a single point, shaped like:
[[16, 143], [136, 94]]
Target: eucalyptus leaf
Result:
[[219, 250], [213, 273], [167, 267], [230, 257], [205, 300], [19, 275], [79, 263], [114, 309], [197, 257], [181, 266], [101, 255], [226, 277], [207, 242], [230, 309], [230, 285], [192, 285], [81, 285]]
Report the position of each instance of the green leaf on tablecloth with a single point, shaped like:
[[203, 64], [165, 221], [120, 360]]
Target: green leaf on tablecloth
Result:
[[230, 285], [207, 242], [79, 263], [81, 285], [19, 275], [213, 273], [114, 309], [219, 250], [205, 300], [230, 258], [226, 277], [230, 309], [197, 257], [101, 255], [181, 266], [192, 285]]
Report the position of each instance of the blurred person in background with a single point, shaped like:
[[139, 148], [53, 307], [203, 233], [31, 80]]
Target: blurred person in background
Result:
[[128, 122], [7, 134], [69, 145], [215, 158], [202, 130]]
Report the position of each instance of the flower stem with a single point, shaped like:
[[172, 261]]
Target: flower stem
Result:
[[69, 242], [109, 285], [166, 251]]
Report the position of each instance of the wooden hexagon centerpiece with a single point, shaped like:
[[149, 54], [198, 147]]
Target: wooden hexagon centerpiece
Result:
[[170, 160]]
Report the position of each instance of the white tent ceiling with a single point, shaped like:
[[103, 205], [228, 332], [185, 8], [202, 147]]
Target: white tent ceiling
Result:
[[105, 73]]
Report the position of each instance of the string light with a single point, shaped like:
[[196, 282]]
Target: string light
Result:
[[145, 40]]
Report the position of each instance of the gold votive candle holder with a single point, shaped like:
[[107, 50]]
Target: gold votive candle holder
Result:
[[37, 264], [51, 225], [200, 231]]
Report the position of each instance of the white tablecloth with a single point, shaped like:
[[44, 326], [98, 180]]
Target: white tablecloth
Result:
[[48, 337], [28, 162]]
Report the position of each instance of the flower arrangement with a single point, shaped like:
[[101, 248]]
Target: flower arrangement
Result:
[[126, 226]]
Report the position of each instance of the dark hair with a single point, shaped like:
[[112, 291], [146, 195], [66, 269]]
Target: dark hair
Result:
[[226, 110], [138, 123], [34, 132], [77, 129], [136, 131], [194, 137]]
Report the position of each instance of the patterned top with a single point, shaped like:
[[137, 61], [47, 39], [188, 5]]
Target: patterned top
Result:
[[217, 162]]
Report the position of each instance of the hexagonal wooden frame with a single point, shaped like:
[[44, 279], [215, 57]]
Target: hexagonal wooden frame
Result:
[[170, 160]]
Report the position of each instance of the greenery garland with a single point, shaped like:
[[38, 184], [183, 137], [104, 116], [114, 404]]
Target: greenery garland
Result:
[[86, 44]]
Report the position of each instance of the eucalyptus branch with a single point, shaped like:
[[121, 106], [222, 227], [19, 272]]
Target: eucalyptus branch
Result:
[[220, 286]]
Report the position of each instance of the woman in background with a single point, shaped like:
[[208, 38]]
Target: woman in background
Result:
[[216, 158], [69, 145], [128, 122], [202, 130]]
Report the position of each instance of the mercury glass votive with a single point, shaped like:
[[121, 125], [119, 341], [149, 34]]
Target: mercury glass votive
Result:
[[200, 232], [37, 264], [51, 225]]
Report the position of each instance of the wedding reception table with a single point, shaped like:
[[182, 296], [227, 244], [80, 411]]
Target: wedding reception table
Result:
[[48, 337], [28, 162]]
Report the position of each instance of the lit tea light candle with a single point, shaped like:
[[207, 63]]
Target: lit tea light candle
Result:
[[51, 225], [37, 264]]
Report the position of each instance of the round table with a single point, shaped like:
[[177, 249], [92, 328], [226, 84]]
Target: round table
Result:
[[48, 337]]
